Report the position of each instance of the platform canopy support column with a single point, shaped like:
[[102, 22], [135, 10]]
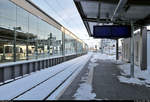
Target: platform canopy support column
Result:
[[117, 50], [132, 51]]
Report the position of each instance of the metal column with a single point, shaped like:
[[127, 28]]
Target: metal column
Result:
[[36, 48], [51, 41], [27, 47], [49, 44], [132, 51], [63, 46], [117, 48], [14, 47], [76, 47]]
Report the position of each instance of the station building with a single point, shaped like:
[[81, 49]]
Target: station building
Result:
[[38, 36]]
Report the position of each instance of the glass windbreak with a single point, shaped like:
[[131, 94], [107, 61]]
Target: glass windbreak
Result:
[[56, 41], [7, 14], [79, 47], [35, 39], [70, 45]]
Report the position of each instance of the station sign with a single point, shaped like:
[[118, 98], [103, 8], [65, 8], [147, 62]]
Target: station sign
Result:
[[111, 31]]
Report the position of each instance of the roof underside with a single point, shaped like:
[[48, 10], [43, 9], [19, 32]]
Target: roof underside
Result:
[[96, 12]]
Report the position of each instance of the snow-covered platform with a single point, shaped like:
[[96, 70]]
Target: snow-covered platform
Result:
[[104, 78], [46, 84]]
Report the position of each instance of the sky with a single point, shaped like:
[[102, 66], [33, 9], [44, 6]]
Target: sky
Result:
[[65, 12]]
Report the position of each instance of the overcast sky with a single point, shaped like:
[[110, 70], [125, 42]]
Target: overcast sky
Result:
[[65, 12]]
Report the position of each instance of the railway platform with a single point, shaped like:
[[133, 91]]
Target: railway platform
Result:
[[99, 81], [93, 76]]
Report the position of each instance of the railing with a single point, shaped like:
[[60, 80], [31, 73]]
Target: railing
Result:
[[16, 70]]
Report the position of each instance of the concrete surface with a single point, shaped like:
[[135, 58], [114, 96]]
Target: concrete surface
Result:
[[107, 86]]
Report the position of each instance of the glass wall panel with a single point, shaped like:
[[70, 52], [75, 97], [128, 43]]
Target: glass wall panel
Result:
[[70, 45], [79, 47], [22, 35], [7, 21], [56, 41], [41, 38], [33, 37], [7, 14], [22, 19], [36, 39]]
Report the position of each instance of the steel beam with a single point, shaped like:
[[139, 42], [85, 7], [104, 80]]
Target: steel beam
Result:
[[103, 20], [119, 7], [99, 10]]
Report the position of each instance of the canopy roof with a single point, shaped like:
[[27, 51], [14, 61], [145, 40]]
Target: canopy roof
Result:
[[110, 12]]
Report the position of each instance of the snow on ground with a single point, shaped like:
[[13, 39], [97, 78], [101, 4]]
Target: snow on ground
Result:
[[104, 56], [56, 95], [141, 77], [17, 87], [41, 91], [84, 92]]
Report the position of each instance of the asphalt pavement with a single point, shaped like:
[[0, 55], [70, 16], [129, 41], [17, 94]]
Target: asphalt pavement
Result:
[[106, 84]]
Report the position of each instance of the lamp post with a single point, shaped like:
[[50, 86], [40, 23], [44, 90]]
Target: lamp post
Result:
[[15, 35]]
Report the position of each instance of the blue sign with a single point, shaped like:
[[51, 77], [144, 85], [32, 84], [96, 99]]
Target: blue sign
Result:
[[112, 31]]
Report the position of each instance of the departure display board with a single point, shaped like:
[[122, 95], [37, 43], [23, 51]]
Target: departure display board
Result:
[[111, 31]]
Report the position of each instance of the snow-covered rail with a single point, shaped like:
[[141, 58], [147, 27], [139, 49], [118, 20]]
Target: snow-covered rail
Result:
[[41, 85], [15, 70]]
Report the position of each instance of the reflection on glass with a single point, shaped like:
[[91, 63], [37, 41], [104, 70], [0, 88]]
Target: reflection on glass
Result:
[[37, 38]]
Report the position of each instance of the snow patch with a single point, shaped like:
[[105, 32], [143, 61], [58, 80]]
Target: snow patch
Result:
[[105, 56], [130, 80], [141, 77], [84, 92]]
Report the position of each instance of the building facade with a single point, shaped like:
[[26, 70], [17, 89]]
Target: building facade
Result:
[[39, 36], [108, 46]]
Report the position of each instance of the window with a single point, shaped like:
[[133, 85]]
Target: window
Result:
[[8, 49], [1, 49]]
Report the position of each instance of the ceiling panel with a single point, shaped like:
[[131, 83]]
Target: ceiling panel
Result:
[[136, 10], [90, 8]]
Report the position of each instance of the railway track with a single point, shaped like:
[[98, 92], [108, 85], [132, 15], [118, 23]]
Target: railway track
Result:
[[70, 69]]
